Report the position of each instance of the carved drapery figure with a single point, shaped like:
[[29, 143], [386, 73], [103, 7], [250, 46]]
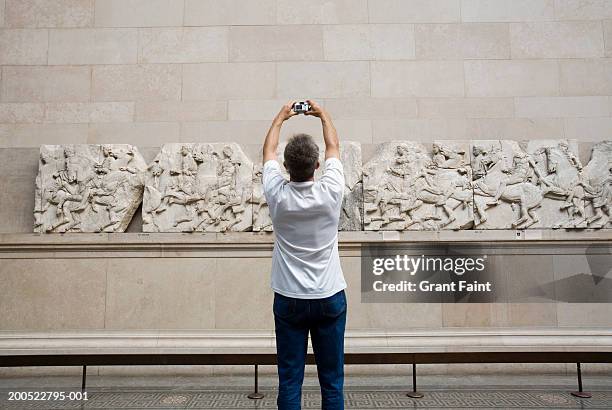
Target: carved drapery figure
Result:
[[87, 188], [407, 187], [198, 187]]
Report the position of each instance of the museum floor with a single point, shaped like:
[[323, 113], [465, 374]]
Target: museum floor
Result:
[[372, 392]]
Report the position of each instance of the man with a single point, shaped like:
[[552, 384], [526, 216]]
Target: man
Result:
[[307, 278]]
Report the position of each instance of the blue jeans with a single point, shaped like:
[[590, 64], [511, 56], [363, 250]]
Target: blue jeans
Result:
[[325, 319]]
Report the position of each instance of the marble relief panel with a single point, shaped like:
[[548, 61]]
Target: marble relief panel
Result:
[[198, 187], [87, 188], [408, 186], [215, 187], [527, 184]]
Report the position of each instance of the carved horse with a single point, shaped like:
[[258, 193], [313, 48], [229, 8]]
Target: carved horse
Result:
[[526, 195]]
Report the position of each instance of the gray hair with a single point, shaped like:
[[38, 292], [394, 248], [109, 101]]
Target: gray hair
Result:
[[301, 157]]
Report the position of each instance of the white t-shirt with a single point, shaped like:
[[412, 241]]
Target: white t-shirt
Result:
[[305, 216]]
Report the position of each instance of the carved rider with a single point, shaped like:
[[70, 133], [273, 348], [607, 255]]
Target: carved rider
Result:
[[156, 171], [227, 170], [189, 166], [446, 158], [523, 170], [485, 160], [600, 196]]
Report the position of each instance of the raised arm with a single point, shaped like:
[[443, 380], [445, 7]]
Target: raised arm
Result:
[[271, 141], [330, 136]]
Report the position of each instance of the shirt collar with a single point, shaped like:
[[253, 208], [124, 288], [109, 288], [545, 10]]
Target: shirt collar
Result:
[[301, 184]]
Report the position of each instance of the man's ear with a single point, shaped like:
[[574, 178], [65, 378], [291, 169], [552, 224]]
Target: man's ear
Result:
[[318, 164], [285, 164]]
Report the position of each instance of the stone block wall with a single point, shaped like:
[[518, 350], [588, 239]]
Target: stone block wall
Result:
[[149, 72]]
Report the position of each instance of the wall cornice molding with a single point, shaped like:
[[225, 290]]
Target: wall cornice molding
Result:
[[250, 244]]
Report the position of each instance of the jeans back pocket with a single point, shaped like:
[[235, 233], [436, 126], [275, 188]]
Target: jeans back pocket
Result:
[[334, 306], [284, 307]]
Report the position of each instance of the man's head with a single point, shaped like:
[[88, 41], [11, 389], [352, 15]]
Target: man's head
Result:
[[301, 157]]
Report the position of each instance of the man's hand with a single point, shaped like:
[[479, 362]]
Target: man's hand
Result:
[[285, 112], [315, 109]]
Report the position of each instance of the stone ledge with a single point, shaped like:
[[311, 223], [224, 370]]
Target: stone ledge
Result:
[[345, 238], [252, 244], [262, 342]]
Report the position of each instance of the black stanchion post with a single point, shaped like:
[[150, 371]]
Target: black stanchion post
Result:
[[414, 393], [256, 395], [581, 394], [83, 378]]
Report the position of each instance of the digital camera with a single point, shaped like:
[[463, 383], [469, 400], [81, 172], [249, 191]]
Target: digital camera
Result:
[[301, 107]]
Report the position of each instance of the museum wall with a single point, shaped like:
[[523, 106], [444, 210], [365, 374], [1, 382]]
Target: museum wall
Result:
[[146, 72], [149, 72]]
